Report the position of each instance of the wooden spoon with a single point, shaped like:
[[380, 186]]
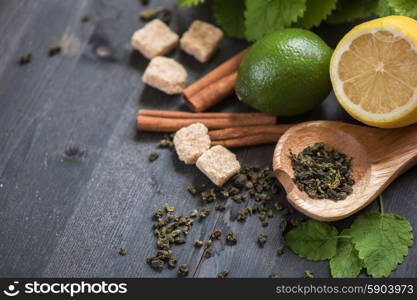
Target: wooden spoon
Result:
[[379, 157]]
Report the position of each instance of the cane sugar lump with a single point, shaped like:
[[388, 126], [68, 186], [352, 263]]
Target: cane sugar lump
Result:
[[191, 142], [218, 164], [154, 39], [201, 40], [165, 74]]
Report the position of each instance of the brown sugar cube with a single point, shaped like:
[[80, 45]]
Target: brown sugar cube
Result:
[[166, 75], [218, 164], [201, 40], [191, 142], [154, 39]]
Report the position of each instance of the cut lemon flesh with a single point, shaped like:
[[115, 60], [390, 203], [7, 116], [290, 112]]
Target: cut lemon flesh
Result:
[[374, 72]]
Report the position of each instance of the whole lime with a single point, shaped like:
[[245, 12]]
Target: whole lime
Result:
[[285, 73]]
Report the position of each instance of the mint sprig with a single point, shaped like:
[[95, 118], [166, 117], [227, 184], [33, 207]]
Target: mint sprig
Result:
[[346, 263], [263, 17], [316, 12], [313, 240], [376, 241], [382, 241], [230, 16], [253, 19], [348, 10]]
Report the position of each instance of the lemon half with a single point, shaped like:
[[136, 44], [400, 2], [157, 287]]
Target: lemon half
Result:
[[374, 72]]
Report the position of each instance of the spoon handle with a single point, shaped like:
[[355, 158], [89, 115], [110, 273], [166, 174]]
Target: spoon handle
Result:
[[400, 149]]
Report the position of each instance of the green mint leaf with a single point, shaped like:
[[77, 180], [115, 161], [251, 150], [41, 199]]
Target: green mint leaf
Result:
[[384, 9], [317, 11], [382, 241], [348, 10], [313, 240], [189, 3], [266, 16], [229, 14], [346, 263], [404, 7]]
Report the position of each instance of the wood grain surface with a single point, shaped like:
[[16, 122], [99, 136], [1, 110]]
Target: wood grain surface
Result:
[[67, 217]]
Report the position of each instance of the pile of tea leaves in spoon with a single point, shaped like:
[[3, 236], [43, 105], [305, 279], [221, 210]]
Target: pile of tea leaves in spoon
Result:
[[322, 173]]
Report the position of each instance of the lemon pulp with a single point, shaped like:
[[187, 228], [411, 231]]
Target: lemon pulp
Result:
[[374, 73]]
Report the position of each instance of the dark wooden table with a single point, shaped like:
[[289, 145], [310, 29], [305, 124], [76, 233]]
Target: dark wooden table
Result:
[[69, 217]]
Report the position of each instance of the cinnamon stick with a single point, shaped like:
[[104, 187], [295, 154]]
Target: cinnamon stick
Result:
[[250, 140], [240, 132], [168, 124], [226, 68], [214, 86], [174, 114], [212, 93], [247, 136]]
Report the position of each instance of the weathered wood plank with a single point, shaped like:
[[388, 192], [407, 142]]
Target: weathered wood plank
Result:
[[68, 217]]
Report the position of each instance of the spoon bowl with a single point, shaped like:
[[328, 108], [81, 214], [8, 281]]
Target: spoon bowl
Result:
[[378, 157]]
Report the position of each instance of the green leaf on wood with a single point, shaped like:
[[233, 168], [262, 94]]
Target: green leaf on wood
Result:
[[313, 240], [382, 241], [230, 16], [266, 16], [346, 263]]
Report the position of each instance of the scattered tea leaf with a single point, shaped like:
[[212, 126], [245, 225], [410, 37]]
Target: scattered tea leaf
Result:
[[231, 238], [215, 235], [223, 274], [54, 50], [198, 243], [183, 270], [85, 18], [262, 238], [308, 274], [25, 59], [208, 252], [153, 156]]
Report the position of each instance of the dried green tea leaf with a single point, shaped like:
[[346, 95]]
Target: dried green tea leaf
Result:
[[230, 16], [313, 240], [189, 3], [183, 270], [25, 59], [348, 10], [346, 263], [316, 12], [263, 17], [308, 274], [323, 173], [382, 241]]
